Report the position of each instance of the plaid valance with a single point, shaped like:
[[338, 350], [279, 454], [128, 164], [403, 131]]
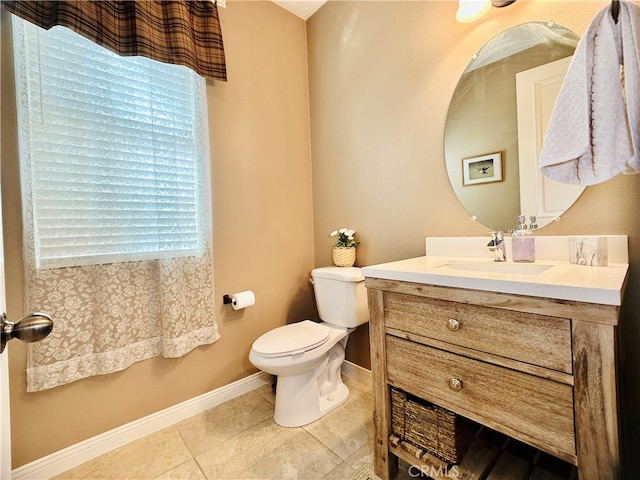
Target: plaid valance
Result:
[[177, 32]]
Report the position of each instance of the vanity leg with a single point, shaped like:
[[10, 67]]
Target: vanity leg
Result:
[[385, 465], [596, 400]]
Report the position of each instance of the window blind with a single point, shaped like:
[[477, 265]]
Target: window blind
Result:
[[110, 148]]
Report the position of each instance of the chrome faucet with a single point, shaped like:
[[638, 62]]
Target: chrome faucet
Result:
[[496, 245]]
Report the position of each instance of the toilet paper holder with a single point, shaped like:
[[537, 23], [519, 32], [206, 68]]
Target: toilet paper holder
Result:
[[240, 300]]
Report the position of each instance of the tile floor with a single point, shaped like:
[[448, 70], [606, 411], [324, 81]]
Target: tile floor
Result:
[[239, 440]]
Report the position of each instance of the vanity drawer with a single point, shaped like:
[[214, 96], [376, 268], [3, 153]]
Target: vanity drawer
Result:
[[527, 337], [536, 407]]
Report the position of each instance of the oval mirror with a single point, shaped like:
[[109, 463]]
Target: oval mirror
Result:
[[496, 123]]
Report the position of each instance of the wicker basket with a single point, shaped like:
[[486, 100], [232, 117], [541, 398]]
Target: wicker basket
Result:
[[344, 256], [438, 431]]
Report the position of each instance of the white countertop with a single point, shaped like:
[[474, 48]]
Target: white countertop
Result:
[[544, 278]]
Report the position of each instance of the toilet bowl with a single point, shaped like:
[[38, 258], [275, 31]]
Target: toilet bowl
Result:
[[307, 356], [309, 382]]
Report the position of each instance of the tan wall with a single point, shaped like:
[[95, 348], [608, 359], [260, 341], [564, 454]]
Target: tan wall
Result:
[[381, 75], [262, 237]]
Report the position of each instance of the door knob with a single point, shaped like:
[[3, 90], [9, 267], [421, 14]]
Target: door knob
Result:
[[30, 328]]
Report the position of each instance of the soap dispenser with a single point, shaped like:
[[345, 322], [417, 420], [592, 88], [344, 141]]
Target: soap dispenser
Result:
[[523, 245]]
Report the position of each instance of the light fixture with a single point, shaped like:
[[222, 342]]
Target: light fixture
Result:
[[470, 10]]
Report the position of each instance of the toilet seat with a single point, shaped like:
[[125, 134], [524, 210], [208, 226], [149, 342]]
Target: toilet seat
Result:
[[292, 339]]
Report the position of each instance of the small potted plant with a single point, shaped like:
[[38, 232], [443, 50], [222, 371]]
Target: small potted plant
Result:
[[344, 250]]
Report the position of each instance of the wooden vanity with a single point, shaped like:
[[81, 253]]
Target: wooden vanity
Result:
[[540, 370]]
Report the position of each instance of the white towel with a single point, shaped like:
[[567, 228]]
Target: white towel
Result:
[[594, 130]]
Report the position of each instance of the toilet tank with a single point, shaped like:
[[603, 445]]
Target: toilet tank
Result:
[[341, 296]]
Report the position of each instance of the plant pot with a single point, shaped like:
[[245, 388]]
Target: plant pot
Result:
[[344, 256]]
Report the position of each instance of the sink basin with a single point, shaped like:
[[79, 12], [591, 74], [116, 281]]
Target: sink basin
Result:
[[498, 267]]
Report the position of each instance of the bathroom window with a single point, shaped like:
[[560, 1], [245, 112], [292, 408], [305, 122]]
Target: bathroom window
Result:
[[111, 151], [115, 183]]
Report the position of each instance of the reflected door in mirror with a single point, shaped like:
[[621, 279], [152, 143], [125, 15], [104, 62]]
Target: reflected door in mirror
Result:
[[536, 90]]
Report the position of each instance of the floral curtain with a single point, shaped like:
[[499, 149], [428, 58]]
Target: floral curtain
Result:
[[108, 317], [177, 32]]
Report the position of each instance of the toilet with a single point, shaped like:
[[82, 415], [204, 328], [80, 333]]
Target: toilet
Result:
[[307, 356]]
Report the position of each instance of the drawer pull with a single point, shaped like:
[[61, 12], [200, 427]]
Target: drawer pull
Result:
[[453, 324], [455, 384]]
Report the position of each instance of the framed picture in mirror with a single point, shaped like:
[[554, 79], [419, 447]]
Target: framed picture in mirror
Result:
[[482, 169]]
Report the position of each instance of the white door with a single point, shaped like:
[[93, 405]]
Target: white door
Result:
[[31, 328], [5, 427], [536, 91]]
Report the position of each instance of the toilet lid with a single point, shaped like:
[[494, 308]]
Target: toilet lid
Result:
[[291, 339]]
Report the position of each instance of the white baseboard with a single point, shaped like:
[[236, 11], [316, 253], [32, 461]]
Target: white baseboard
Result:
[[74, 455], [358, 373]]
